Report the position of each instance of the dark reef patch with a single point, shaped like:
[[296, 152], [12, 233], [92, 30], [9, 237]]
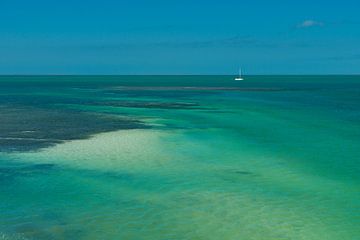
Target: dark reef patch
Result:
[[153, 104], [29, 128], [50, 102]]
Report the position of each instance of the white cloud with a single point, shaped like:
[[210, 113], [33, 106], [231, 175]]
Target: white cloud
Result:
[[310, 23]]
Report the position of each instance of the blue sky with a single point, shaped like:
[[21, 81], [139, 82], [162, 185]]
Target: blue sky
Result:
[[179, 37]]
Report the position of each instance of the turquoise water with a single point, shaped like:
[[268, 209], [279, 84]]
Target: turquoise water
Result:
[[179, 157]]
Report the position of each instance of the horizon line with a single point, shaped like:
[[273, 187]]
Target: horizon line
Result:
[[65, 75]]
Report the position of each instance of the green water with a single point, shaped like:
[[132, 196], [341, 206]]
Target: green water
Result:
[[142, 157]]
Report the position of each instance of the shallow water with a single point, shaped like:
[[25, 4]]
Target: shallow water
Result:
[[180, 157]]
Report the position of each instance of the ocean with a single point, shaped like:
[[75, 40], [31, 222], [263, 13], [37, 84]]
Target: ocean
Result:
[[179, 157]]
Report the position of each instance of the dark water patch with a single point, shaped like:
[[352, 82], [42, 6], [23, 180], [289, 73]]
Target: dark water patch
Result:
[[143, 104], [51, 102], [11, 171], [235, 176], [161, 94], [123, 179], [45, 100], [177, 92], [45, 166], [242, 172], [29, 128], [214, 110], [119, 176], [23, 144], [203, 88]]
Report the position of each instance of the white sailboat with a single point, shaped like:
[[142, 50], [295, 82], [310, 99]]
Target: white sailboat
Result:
[[239, 78]]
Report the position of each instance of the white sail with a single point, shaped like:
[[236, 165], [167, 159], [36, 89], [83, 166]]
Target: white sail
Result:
[[239, 78]]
